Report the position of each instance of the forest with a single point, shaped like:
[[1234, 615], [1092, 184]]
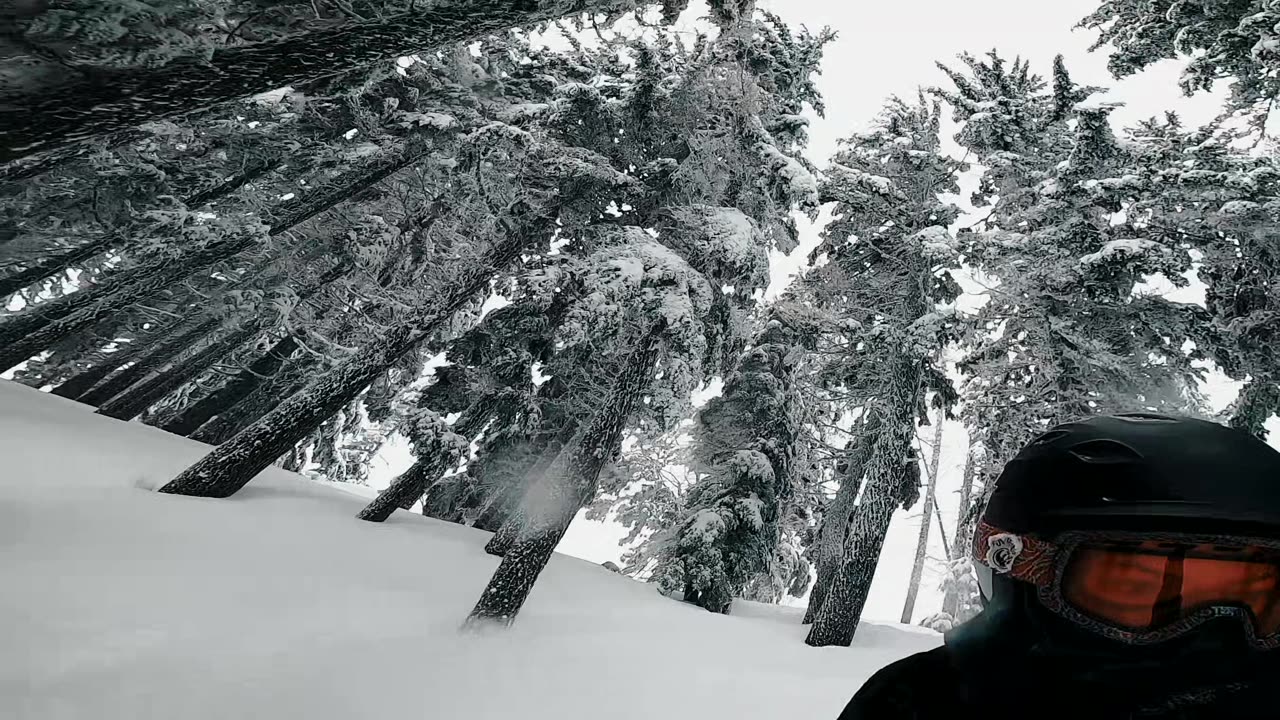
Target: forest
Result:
[[523, 234]]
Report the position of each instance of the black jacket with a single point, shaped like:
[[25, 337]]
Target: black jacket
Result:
[[930, 686]]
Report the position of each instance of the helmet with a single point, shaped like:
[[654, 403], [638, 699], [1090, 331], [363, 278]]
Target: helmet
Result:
[[1138, 528]]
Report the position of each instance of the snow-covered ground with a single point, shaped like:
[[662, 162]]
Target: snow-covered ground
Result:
[[119, 603]]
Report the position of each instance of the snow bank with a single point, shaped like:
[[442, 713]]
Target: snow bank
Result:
[[121, 603]]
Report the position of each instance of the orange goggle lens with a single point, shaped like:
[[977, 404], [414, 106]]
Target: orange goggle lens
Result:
[[1146, 586]]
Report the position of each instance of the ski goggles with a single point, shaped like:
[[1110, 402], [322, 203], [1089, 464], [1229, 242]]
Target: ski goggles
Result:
[[1144, 588]]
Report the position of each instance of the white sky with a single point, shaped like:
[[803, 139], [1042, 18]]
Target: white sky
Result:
[[890, 48]]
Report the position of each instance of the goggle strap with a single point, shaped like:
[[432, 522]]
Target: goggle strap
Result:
[[1020, 557]]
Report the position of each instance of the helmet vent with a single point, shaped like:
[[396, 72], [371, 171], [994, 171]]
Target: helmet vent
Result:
[[1104, 452], [1142, 417], [1050, 436]]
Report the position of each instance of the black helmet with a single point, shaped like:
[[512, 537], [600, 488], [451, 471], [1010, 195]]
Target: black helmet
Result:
[[1140, 471], [1133, 477]]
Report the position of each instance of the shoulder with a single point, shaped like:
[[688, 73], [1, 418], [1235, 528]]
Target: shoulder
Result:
[[917, 687]]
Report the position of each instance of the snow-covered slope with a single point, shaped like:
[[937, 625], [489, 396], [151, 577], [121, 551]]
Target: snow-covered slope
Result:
[[120, 603]]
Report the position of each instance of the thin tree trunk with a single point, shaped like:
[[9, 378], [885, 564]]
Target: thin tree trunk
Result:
[[55, 263], [233, 464], [68, 258], [505, 514], [267, 396], [32, 331], [951, 600], [235, 390], [155, 389], [252, 170], [133, 402], [406, 489], [161, 353], [942, 525], [576, 474], [76, 386], [835, 521], [80, 111], [966, 499], [837, 619], [926, 521], [30, 167]]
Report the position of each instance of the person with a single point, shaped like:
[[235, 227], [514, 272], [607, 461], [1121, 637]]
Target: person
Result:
[[1129, 567]]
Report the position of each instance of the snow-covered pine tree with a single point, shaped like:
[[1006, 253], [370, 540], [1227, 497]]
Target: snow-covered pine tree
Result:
[[569, 484], [628, 272], [1239, 41], [1064, 333], [745, 447], [489, 379], [1195, 190], [883, 280], [652, 120]]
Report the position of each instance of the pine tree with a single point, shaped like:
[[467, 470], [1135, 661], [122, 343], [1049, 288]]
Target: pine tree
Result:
[[745, 447], [884, 281], [1193, 190], [1064, 334], [1236, 40], [571, 483]]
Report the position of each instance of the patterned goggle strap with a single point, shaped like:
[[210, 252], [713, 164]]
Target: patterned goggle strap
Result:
[[1019, 556]]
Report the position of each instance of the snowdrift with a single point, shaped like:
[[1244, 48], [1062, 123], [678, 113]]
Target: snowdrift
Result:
[[121, 603]]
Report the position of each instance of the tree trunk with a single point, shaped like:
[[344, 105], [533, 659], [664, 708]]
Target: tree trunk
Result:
[[233, 464], [235, 390], [835, 521], [951, 601], [55, 263], [76, 112], [33, 166], [837, 619], [573, 481], [76, 386], [33, 331], [155, 389], [133, 402], [926, 521], [266, 397], [406, 489], [504, 514], [963, 526], [68, 258], [161, 353]]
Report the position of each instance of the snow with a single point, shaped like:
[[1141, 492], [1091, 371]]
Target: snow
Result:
[[936, 243], [1094, 103], [1121, 248], [124, 604], [433, 120], [802, 183], [877, 183], [1239, 207], [523, 111]]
